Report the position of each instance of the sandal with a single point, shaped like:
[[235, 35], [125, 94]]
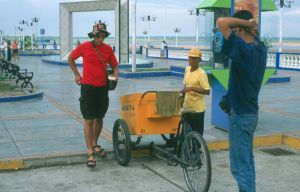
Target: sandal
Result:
[[100, 151], [91, 163]]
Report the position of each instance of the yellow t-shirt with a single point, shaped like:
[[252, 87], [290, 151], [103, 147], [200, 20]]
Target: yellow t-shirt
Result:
[[194, 101]]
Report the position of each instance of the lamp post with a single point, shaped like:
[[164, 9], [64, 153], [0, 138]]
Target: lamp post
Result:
[[23, 23], [35, 20], [134, 37], [16, 28], [20, 35], [32, 32], [148, 18], [165, 18], [281, 4], [176, 31], [145, 39], [42, 32], [196, 12], [1, 39]]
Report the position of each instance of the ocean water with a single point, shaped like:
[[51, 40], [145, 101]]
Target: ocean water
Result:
[[204, 42], [292, 43]]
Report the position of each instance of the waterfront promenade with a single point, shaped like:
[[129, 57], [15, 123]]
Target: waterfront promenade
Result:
[[48, 131], [53, 124]]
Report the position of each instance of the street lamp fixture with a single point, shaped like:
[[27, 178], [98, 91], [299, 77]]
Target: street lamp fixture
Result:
[[148, 18], [23, 22], [281, 4], [284, 3], [196, 12], [176, 31]]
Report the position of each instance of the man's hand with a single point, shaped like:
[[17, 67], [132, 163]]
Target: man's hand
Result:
[[78, 79], [116, 72], [253, 27], [252, 23]]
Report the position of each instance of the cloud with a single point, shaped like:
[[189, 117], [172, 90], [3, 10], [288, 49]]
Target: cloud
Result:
[[177, 16], [293, 12]]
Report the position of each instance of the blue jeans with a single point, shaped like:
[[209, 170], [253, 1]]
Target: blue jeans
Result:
[[241, 133]]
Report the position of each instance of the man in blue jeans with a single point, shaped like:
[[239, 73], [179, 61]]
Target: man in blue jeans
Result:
[[247, 66]]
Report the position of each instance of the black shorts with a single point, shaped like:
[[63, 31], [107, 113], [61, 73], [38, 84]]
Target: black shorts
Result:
[[94, 101], [15, 51]]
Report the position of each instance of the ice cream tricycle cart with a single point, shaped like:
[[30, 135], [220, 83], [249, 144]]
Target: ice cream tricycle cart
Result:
[[158, 112]]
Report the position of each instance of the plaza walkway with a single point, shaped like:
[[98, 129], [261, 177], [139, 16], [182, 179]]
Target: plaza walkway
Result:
[[52, 126]]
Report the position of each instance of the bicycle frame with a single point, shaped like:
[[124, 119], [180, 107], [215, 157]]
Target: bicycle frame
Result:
[[179, 140]]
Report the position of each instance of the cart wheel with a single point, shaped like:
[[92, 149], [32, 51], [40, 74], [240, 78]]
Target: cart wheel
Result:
[[121, 142], [197, 173]]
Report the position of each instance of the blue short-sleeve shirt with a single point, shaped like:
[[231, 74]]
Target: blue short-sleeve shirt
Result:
[[247, 68]]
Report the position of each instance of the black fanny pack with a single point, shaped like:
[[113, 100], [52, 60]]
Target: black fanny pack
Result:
[[110, 84]]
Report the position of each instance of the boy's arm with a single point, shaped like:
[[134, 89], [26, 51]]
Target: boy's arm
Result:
[[199, 90], [226, 24]]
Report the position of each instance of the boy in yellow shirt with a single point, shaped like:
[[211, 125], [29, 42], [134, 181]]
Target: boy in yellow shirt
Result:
[[196, 86]]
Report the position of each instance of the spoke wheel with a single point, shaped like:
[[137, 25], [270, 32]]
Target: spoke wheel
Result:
[[197, 173], [121, 142]]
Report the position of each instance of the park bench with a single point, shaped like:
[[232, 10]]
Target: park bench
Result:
[[26, 77], [4, 66], [14, 71]]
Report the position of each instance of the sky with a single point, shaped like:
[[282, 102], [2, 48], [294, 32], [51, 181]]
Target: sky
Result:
[[13, 11]]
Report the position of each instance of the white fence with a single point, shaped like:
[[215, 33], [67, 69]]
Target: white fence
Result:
[[289, 61], [181, 54], [278, 60]]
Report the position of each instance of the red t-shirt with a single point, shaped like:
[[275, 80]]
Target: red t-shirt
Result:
[[94, 71]]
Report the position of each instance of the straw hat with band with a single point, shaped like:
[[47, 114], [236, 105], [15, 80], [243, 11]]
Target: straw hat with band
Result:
[[194, 52], [98, 28]]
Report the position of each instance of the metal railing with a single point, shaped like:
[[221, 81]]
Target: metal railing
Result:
[[277, 60], [288, 61]]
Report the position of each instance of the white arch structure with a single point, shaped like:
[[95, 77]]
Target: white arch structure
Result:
[[121, 9]]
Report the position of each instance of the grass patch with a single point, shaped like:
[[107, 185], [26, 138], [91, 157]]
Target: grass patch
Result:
[[5, 85]]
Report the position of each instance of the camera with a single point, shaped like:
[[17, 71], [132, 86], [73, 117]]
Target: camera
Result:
[[225, 104]]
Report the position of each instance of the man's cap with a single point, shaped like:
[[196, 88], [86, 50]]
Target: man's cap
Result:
[[195, 52], [98, 28]]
